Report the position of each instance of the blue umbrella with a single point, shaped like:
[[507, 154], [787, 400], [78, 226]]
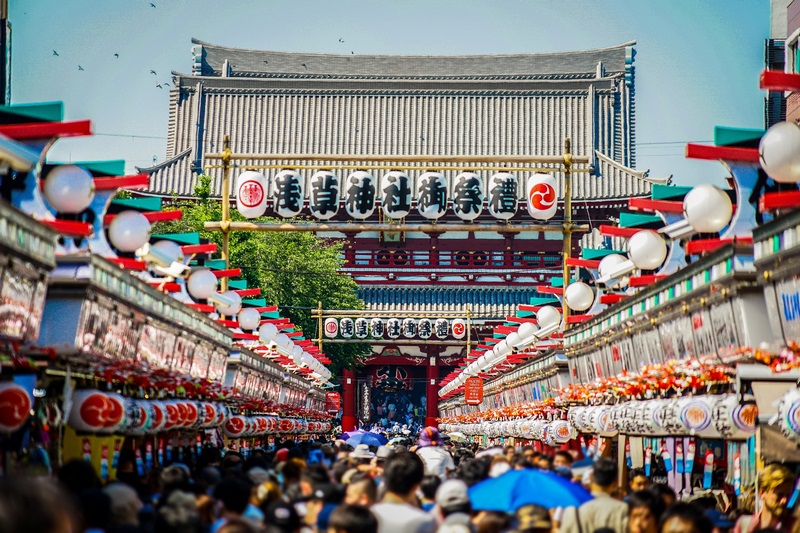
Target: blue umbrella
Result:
[[370, 439], [351, 434], [517, 488]]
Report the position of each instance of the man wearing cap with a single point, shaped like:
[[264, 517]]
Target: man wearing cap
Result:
[[453, 503], [438, 461]]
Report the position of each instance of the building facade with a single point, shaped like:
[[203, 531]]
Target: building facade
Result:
[[526, 104]]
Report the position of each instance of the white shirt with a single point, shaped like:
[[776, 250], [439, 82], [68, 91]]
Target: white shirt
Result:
[[437, 460], [402, 518]]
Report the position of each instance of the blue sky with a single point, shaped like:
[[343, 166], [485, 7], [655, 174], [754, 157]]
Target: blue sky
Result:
[[697, 61]]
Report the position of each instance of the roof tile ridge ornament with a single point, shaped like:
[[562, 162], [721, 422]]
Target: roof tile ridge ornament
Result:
[[639, 174], [171, 161]]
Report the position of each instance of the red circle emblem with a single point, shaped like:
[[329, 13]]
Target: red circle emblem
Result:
[[210, 414], [542, 196], [115, 412], [95, 409], [331, 327], [235, 425], [458, 329], [158, 415], [251, 194], [15, 406]]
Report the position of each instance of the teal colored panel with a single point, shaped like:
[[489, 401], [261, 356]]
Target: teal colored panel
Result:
[[594, 253], [115, 167], [541, 300], [216, 264], [632, 220], [525, 314], [36, 112], [183, 238], [558, 281], [255, 302], [499, 335], [668, 192], [239, 284], [271, 314], [142, 204], [725, 136]]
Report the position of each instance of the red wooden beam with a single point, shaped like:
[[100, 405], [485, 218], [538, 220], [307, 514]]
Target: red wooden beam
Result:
[[547, 289], [707, 245], [664, 206], [611, 298], [779, 81], [129, 264], [575, 319], [203, 308], [615, 231], [199, 249], [70, 227], [248, 292], [136, 181], [228, 323], [295, 334], [171, 286], [505, 329], [585, 263], [642, 281], [245, 336], [152, 216], [275, 321], [534, 308], [484, 346], [521, 320], [46, 130], [772, 201], [705, 151], [230, 273]]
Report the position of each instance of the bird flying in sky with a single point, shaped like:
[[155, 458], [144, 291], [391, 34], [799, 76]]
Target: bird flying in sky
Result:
[[55, 53], [152, 5], [153, 72], [116, 55], [80, 67], [159, 86], [341, 40]]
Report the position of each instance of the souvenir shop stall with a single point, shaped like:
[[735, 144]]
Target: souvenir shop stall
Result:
[[122, 347]]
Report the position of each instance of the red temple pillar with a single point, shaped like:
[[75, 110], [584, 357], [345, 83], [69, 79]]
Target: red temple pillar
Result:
[[432, 393], [349, 421]]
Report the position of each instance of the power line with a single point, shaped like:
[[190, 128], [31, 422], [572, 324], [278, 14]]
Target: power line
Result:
[[131, 135], [669, 142]]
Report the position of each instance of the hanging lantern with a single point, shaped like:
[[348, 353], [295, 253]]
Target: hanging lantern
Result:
[[331, 328], [503, 195], [347, 328], [201, 284], [468, 196], [561, 431], [90, 410], [789, 414], [232, 303], [393, 328], [15, 406], [442, 328], [285, 425], [707, 208], [251, 194], [172, 415], [129, 231], [695, 413], [396, 194], [249, 318], [409, 328], [288, 187], [377, 328], [647, 249], [137, 417], [158, 413], [607, 265], [733, 420], [208, 415], [778, 152], [69, 189], [235, 426], [548, 316], [425, 328], [361, 328], [432, 195], [579, 296], [542, 200], [115, 417], [459, 328], [324, 194], [193, 419], [360, 195]]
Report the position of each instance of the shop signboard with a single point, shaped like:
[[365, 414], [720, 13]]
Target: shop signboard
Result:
[[473, 391], [332, 402]]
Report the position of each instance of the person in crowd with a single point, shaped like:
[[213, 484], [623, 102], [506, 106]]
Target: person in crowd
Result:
[[638, 480], [499, 466], [437, 460], [685, 517], [34, 504], [125, 507], [491, 522], [178, 513], [399, 511], [775, 486], [281, 517], [665, 492], [234, 494], [362, 490], [532, 519], [603, 510], [563, 458], [509, 453], [352, 519], [473, 471], [720, 521], [453, 503], [545, 462], [644, 510], [430, 484]]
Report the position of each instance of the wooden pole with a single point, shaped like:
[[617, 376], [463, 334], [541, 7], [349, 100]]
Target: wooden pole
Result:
[[225, 223], [538, 159], [568, 229], [356, 227]]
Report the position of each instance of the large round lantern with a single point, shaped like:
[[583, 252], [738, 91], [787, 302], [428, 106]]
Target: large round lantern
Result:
[[15, 406], [69, 189], [789, 414], [695, 413], [779, 152], [735, 421], [579, 296], [193, 419], [601, 421], [647, 249], [707, 208], [235, 426], [431, 195], [561, 431], [607, 265], [396, 194], [208, 414], [251, 194], [285, 425], [359, 195], [90, 411], [158, 413], [542, 200], [548, 316], [468, 196], [323, 195], [249, 318], [129, 231], [172, 415], [201, 284], [116, 413], [137, 417], [231, 308], [288, 186], [503, 195]]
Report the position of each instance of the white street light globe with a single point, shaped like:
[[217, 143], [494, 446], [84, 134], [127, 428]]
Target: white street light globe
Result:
[[201, 284], [579, 296], [607, 265], [234, 307], [297, 351], [503, 348], [526, 330], [249, 318], [282, 340], [69, 189], [170, 249], [647, 249], [514, 340], [779, 152], [268, 332], [548, 316], [707, 208], [129, 231]]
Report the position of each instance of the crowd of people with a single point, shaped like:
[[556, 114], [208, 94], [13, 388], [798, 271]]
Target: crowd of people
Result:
[[420, 486]]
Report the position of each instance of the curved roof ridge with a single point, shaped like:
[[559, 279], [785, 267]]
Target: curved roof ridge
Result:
[[643, 175], [235, 49], [164, 164]]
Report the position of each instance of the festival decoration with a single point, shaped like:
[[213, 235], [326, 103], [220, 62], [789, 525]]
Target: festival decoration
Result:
[[359, 195], [579, 296], [15, 406], [542, 200], [503, 195], [778, 152], [468, 193], [288, 187], [396, 194], [325, 190], [251, 194], [431, 195], [707, 208], [68, 189]]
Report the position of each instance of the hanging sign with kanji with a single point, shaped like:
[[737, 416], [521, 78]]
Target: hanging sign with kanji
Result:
[[468, 196], [251, 194], [324, 193], [332, 402], [360, 194], [288, 187], [432, 195], [473, 391], [503, 195]]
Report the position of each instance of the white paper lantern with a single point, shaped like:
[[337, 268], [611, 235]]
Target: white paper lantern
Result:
[[234, 307], [468, 196], [268, 332], [283, 340], [288, 187], [503, 195], [359, 195], [647, 249], [90, 411], [15, 406], [324, 194], [789, 414], [69, 189], [249, 318], [579, 296], [201, 284], [431, 195], [733, 420], [542, 199], [548, 316], [235, 426], [396, 194], [607, 265], [170, 250], [707, 208], [251, 194], [779, 152], [526, 330], [514, 340], [129, 231]]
